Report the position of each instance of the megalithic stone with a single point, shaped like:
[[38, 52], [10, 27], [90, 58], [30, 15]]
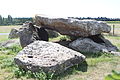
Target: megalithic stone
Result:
[[73, 27], [48, 56]]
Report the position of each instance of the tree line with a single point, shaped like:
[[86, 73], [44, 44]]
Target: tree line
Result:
[[14, 21], [19, 21], [98, 18]]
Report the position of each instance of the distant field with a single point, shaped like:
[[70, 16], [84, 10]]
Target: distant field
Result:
[[113, 22], [116, 28], [7, 29]]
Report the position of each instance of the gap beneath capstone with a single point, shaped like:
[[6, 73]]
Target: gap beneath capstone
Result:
[[96, 38]]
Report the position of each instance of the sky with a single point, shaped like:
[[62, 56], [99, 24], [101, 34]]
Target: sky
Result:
[[61, 8]]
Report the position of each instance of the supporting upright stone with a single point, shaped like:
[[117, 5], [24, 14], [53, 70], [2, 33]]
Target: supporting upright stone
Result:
[[93, 44], [29, 33]]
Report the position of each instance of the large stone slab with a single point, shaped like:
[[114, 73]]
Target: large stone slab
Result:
[[51, 57], [73, 27], [28, 33], [93, 44], [25, 36]]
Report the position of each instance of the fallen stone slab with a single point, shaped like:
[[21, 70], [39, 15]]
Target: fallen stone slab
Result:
[[48, 56], [73, 27], [93, 44]]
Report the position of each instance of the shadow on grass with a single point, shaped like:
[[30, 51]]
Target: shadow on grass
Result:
[[96, 55], [82, 67], [92, 55]]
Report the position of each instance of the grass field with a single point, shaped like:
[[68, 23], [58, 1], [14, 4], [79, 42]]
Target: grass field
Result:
[[113, 22], [6, 29], [3, 38], [116, 28], [114, 39], [96, 67]]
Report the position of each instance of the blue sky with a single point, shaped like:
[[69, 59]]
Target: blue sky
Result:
[[61, 8]]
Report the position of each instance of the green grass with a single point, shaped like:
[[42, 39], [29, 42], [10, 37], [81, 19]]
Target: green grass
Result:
[[114, 76], [114, 39], [113, 22], [6, 29], [96, 66], [3, 38], [61, 38], [116, 27]]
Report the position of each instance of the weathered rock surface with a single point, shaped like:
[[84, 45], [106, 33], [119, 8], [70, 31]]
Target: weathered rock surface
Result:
[[29, 33], [26, 36], [13, 33], [89, 45], [9, 43], [73, 27], [51, 57]]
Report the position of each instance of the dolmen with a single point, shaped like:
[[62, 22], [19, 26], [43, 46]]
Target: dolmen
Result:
[[88, 33], [51, 57]]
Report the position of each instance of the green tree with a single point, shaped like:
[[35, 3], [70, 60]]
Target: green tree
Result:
[[5, 21], [10, 19], [1, 20]]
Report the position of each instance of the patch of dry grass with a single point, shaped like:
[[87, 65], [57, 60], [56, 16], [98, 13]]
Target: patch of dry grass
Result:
[[3, 37], [114, 40], [98, 67], [7, 29], [97, 72], [116, 29]]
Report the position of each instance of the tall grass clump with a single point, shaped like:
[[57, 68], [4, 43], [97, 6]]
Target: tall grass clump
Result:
[[41, 75], [114, 76], [11, 50]]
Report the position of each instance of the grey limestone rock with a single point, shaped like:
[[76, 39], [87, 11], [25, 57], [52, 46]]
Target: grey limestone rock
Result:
[[73, 27], [89, 45], [26, 36], [48, 56], [29, 33]]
